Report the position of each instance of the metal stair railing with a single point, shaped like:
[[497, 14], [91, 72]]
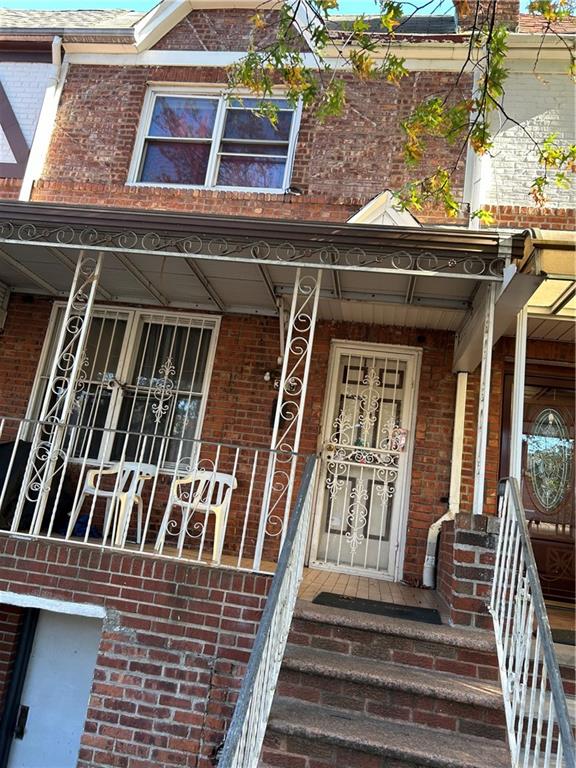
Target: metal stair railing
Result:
[[245, 735], [537, 718]]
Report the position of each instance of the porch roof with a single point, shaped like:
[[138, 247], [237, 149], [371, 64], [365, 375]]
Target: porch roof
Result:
[[422, 277]]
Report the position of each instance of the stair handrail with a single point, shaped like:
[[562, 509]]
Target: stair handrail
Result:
[[245, 736], [529, 670]]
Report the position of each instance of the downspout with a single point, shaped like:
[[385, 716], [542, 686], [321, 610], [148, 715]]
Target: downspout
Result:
[[46, 119], [428, 575]]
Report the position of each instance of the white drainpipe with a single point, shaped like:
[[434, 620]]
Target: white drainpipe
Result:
[[46, 119], [428, 576]]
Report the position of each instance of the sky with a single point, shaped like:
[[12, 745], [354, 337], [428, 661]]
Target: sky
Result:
[[346, 6]]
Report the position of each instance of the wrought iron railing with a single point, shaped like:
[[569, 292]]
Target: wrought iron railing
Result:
[[537, 717], [154, 494], [246, 733]]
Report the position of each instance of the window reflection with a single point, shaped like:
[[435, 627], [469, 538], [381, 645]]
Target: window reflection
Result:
[[188, 144], [550, 458]]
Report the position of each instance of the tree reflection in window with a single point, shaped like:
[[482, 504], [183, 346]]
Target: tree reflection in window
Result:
[[187, 144], [550, 458]]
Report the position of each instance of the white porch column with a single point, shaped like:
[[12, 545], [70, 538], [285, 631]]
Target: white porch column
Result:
[[484, 401], [289, 415], [517, 425], [458, 443], [61, 392]]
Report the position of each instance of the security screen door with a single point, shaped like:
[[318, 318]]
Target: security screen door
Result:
[[366, 447]]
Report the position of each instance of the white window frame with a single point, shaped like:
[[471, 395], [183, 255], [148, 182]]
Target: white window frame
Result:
[[191, 91], [135, 318]]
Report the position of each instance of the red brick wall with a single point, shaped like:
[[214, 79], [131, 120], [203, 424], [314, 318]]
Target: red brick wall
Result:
[[445, 563], [466, 568], [172, 654], [10, 189], [344, 162], [240, 404], [20, 346], [10, 621], [519, 217], [507, 12], [229, 29]]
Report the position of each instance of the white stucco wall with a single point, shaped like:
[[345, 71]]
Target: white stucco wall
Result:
[[544, 104], [25, 84]]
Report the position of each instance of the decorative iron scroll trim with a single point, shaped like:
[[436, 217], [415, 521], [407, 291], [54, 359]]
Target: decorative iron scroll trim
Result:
[[205, 246], [164, 390]]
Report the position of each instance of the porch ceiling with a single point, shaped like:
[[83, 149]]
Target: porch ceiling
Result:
[[391, 275]]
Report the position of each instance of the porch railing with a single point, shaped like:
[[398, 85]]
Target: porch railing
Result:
[[157, 494], [537, 717], [246, 733]]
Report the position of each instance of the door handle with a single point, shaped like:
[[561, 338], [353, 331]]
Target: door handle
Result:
[[20, 728]]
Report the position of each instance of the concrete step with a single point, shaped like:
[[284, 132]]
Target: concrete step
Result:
[[301, 734], [393, 691], [466, 652]]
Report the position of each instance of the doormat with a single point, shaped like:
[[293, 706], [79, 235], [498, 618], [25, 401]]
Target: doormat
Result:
[[411, 613], [564, 636]]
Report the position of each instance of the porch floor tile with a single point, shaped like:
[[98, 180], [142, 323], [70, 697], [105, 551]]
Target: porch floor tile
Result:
[[316, 581]]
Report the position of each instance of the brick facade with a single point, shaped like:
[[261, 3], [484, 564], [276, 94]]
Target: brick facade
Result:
[[240, 402], [10, 622], [230, 29], [88, 161], [506, 12], [172, 654], [466, 567]]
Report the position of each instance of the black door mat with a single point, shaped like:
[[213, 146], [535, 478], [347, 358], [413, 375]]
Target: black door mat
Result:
[[564, 636], [426, 615]]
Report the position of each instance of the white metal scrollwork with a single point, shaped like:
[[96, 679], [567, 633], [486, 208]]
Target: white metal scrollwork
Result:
[[290, 408], [64, 382], [163, 392]]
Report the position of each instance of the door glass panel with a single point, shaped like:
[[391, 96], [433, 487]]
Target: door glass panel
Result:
[[550, 458]]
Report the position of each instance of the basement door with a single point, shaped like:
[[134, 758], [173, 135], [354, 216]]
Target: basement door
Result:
[[56, 692], [367, 441]]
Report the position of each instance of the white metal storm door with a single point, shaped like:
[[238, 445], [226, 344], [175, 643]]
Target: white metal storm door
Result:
[[366, 454]]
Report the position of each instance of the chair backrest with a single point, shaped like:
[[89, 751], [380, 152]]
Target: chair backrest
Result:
[[202, 486]]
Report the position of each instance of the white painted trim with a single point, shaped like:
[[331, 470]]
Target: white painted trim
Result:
[[516, 427], [416, 60], [43, 132], [484, 402], [458, 442], [398, 531], [383, 204], [56, 606], [213, 91]]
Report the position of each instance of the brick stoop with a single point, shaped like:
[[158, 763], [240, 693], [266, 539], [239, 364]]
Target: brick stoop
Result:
[[364, 691]]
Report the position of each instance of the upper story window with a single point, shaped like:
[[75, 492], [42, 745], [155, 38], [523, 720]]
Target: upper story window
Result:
[[204, 140]]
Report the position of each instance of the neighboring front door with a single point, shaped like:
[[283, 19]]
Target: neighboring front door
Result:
[[56, 692], [367, 440], [548, 472]]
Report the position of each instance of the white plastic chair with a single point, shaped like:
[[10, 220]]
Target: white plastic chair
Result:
[[120, 499], [199, 491]]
